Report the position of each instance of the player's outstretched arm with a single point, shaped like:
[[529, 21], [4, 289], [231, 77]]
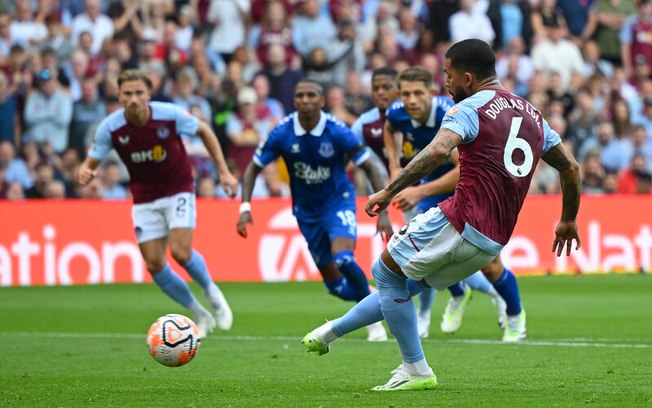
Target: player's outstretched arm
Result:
[[249, 178], [208, 137], [423, 163], [87, 171], [569, 173]]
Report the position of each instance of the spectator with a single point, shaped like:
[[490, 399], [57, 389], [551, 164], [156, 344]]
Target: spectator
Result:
[[545, 16], [93, 21], [621, 118], [335, 98], [636, 178], [634, 35], [515, 64], [44, 176], [89, 109], [15, 192], [468, 23], [185, 29], [184, 93], [9, 120], [611, 16], [76, 70], [641, 71], [260, 84], [557, 54], [48, 112], [5, 37], [583, 120], [409, 30], [275, 29], [247, 128], [515, 21], [56, 39], [593, 61], [645, 118], [55, 190], [615, 155], [593, 174], [206, 188], [127, 17], [228, 19], [345, 53], [15, 169], [581, 17], [110, 179], [24, 29], [310, 28], [440, 13], [642, 145], [282, 79]]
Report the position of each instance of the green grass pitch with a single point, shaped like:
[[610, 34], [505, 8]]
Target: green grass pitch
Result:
[[590, 344]]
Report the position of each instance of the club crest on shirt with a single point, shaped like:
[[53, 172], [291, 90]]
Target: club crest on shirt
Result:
[[326, 150], [123, 139], [163, 132]]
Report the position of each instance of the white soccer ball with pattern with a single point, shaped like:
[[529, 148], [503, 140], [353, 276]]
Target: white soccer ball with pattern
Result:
[[173, 340]]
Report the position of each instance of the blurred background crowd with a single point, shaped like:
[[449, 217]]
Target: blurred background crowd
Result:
[[586, 64]]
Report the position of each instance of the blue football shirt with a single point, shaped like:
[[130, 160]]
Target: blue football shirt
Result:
[[316, 160]]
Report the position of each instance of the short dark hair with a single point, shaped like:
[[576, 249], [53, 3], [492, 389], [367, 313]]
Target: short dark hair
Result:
[[416, 74], [134, 75], [473, 55], [320, 88], [386, 71]]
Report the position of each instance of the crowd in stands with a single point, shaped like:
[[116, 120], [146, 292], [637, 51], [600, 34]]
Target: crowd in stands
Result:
[[585, 64]]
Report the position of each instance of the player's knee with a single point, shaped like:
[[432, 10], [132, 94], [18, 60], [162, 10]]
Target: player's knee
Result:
[[494, 270], [343, 258], [154, 266], [180, 254]]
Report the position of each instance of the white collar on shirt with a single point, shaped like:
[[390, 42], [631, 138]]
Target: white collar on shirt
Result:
[[316, 131], [431, 118]]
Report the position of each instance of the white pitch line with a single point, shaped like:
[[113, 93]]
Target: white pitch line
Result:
[[571, 342]]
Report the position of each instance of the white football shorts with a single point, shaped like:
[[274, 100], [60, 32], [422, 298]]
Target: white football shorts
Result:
[[155, 219], [429, 247]]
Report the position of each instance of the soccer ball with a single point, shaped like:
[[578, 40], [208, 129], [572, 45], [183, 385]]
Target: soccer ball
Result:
[[173, 340]]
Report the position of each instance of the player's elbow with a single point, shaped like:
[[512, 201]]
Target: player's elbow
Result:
[[571, 172]]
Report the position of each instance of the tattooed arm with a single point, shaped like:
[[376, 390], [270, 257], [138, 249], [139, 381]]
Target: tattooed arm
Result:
[[566, 231], [422, 164]]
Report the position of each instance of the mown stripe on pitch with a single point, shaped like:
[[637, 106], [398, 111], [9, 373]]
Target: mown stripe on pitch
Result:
[[571, 342]]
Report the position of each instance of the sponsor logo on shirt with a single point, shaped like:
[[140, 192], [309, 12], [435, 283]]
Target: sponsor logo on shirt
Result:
[[123, 139], [155, 154], [311, 175]]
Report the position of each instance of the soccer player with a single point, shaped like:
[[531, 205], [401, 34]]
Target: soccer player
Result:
[[500, 138], [316, 148], [396, 130], [147, 137]]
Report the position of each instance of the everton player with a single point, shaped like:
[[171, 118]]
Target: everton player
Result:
[[316, 148], [147, 137]]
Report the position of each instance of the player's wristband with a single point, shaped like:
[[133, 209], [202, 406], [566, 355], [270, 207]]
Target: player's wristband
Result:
[[245, 207]]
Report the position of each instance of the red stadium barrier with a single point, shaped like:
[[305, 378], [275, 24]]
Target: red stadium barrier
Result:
[[91, 242]]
